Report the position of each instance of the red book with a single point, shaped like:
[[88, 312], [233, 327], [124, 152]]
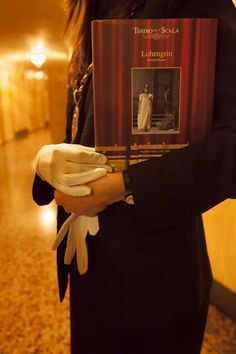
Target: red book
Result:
[[153, 85]]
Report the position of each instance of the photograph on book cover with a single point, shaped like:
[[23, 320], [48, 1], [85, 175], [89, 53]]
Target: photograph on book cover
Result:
[[155, 100]]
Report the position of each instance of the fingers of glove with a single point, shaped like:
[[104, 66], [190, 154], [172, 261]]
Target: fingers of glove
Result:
[[82, 256], [75, 147], [63, 230], [75, 191], [48, 168], [70, 246], [44, 155], [81, 178], [66, 148], [93, 225], [74, 167], [91, 157], [75, 153], [81, 247], [44, 170], [44, 151]]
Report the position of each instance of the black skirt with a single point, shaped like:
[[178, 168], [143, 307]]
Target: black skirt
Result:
[[97, 327]]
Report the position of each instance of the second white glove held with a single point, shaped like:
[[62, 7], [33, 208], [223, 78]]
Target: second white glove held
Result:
[[77, 228]]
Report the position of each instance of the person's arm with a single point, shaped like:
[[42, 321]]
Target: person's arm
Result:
[[184, 183], [105, 191]]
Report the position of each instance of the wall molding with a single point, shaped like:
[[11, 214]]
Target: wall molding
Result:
[[21, 133]]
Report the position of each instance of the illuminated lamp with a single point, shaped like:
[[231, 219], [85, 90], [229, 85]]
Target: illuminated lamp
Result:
[[38, 59]]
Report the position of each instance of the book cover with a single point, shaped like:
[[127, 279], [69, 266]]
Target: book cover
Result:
[[153, 85]]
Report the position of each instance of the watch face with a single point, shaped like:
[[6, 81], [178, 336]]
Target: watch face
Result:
[[129, 199], [126, 182]]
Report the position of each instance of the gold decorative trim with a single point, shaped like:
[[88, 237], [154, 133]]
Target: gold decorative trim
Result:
[[111, 148], [137, 153], [157, 146]]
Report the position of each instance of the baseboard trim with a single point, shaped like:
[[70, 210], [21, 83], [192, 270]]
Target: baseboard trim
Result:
[[21, 133], [224, 299]]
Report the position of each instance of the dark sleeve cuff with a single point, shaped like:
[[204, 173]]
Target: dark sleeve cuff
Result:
[[42, 192]]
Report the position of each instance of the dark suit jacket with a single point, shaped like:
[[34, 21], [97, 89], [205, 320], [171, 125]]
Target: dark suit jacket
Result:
[[149, 265]]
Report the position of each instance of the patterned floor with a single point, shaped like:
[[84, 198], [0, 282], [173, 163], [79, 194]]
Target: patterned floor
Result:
[[32, 321]]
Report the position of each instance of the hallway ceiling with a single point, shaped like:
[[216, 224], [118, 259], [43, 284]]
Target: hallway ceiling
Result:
[[24, 22]]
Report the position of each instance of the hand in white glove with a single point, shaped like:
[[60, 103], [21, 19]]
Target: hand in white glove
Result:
[[67, 167]]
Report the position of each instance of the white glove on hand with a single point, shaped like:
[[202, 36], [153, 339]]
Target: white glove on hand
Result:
[[67, 167]]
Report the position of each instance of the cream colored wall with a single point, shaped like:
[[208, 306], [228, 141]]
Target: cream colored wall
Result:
[[28, 104], [57, 91], [24, 106], [6, 124], [1, 121], [220, 227]]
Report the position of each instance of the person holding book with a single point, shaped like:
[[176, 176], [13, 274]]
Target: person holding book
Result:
[[145, 110], [148, 283]]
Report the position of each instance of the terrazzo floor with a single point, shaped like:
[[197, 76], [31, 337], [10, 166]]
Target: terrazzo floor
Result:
[[32, 320]]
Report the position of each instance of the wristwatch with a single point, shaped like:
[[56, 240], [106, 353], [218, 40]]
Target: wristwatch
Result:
[[129, 199]]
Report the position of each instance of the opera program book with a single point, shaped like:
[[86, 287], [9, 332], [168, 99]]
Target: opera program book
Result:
[[153, 85]]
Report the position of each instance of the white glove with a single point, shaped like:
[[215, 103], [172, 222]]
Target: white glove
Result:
[[67, 167], [78, 227]]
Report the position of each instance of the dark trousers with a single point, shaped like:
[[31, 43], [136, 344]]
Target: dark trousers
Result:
[[92, 333], [171, 341], [181, 338]]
